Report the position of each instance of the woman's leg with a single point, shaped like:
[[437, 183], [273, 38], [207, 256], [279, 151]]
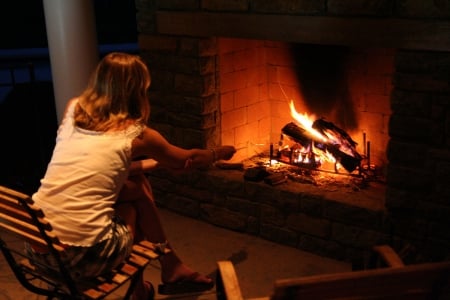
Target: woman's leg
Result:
[[127, 212], [138, 190]]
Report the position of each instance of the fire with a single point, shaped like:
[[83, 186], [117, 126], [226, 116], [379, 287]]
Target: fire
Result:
[[305, 121], [317, 141]]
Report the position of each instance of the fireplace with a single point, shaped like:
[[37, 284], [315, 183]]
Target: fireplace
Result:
[[225, 74]]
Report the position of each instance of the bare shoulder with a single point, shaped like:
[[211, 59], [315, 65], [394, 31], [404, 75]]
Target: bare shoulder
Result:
[[71, 101], [150, 134], [148, 142]]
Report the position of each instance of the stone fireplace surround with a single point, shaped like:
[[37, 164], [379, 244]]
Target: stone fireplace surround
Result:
[[179, 41]]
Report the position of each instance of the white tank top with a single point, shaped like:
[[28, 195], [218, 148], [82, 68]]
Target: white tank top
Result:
[[83, 180]]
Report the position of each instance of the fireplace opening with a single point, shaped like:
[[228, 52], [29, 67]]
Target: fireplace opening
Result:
[[346, 87]]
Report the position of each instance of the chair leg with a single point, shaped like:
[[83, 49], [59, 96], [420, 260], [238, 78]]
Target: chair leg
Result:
[[133, 282]]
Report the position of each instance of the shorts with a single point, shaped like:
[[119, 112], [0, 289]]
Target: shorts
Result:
[[87, 262]]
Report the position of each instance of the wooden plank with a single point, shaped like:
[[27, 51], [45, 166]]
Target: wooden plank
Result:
[[31, 238], [229, 280], [18, 213], [327, 30], [143, 251], [421, 279], [93, 294], [128, 269], [138, 260], [389, 256]]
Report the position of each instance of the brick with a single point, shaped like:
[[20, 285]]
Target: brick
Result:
[[194, 85], [178, 4], [227, 102], [291, 7], [233, 81], [182, 205], [247, 96], [411, 103], [200, 47], [157, 43], [423, 9], [422, 62], [352, 215], [414, 129], [322, 247], [356, 237], [357, 7], [243, 134], [258, 111], [223, 217], [270, 215], [407, 153], [310, 225], [243, 206], [225, 5], [421, 82], [412, 179], [234, 118], [278, 235]]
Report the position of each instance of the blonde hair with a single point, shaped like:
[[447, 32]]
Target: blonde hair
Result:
[[116, 94]]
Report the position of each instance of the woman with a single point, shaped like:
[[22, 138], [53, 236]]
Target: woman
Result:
[[95, 192]]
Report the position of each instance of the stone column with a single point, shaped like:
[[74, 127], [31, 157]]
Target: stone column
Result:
[[72, 42]]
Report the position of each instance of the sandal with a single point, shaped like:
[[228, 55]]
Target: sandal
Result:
[[185, 285]]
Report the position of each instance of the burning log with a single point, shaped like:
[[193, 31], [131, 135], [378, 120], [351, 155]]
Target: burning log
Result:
[[334, 141], [334, 133], [297, 133], [350, 163]]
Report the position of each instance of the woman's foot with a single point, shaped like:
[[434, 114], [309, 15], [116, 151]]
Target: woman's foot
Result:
[[182, 279], [182, 272]]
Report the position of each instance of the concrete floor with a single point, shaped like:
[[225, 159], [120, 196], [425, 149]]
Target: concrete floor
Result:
[[257, 262]]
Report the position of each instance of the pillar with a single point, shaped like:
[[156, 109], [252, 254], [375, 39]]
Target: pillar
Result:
[[73, 49]]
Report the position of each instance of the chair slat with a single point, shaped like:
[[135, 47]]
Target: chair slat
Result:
[[32, 239], [6, 201], [25, 228]]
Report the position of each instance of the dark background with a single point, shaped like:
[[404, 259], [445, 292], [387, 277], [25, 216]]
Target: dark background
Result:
[[28, 122], [22, 23]]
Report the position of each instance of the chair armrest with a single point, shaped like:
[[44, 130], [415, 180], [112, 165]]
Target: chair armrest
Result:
[[227, 284], [389, 256]]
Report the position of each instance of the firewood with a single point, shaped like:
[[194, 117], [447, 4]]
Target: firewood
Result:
[[341, 146]]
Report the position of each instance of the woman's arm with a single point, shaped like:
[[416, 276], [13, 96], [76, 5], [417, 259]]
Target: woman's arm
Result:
[[152, 144]]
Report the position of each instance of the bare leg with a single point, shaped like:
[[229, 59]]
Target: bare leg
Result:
[[128, 213], [138, 191]]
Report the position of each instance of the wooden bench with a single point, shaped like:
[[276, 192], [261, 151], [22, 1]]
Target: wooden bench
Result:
[[390, 280], [21, 219]]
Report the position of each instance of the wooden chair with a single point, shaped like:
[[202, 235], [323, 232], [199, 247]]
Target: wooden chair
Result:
[[21, 218], [390, 280]]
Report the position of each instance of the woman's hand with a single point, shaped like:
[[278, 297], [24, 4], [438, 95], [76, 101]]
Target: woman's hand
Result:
[[224, 152]]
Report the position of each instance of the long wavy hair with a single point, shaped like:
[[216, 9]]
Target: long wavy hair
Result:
[[117, 93]]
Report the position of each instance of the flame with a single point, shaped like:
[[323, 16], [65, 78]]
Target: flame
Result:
[[314, 147], [306, 122]]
